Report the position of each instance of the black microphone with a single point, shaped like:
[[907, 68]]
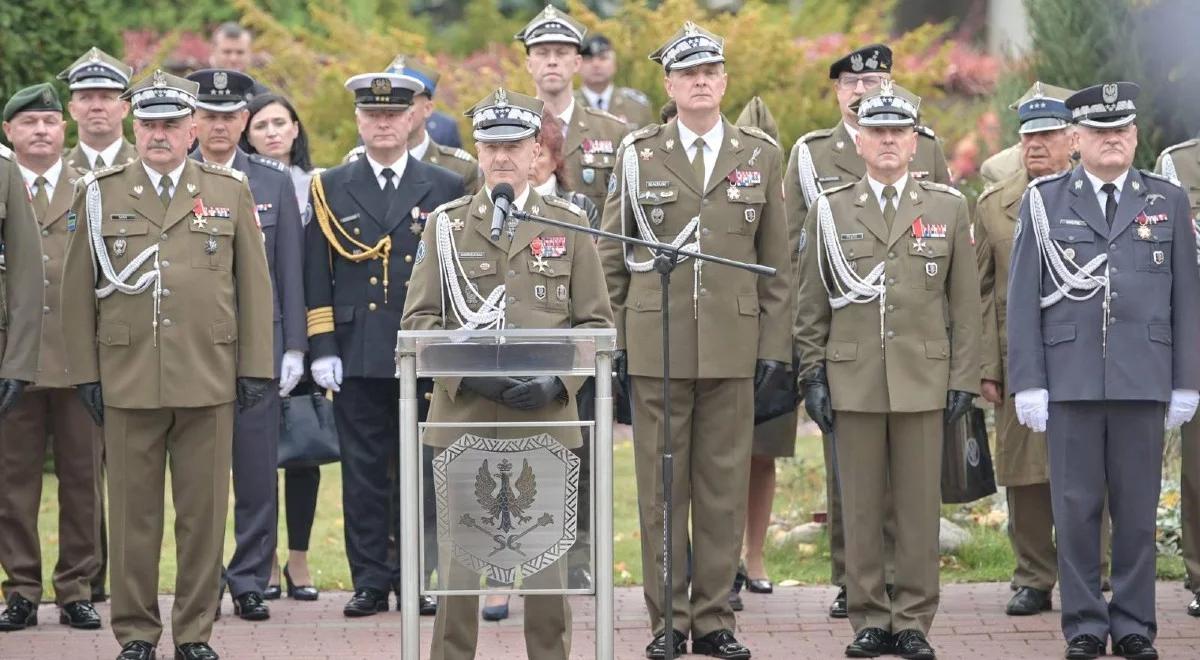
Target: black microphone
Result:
[[502, 197]]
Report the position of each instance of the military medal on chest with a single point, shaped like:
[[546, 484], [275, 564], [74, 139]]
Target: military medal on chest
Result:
[[198, 220], [536, 247]]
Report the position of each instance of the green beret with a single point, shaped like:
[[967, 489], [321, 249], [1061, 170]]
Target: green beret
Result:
[[38, 97]]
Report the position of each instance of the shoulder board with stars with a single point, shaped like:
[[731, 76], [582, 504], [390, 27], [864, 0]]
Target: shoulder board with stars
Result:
[[641, 133], [634, 95], [1049, 177], [1182, 145], [987, 192], [941, 187], [759, 133], [450, 205], [93, 175], [1155, 175], [354, 154], [554, 200], [221, 169], [455, 152], [269, 162], [602, 113], [812, 135], [926, 131], [6, 153], [830, 191]]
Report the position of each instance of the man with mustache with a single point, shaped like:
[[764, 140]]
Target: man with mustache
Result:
[[1103, 321]]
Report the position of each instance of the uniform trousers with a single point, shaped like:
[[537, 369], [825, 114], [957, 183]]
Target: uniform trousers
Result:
[[139, 444], [255, 494], [39, 413], [712, 428], [1190, 504], [836, 526], [1113, 449], [904, 449]]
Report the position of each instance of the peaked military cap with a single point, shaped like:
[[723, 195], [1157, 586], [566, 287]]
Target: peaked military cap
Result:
[[97, 69], [595, 44], [384, 90], [505, 116], [161, 95], [876, 58], [1108, 105], [691, 46], [221, 90], [1043, 108], [552, 27], [33, 98], [889, 105], [405, 66]]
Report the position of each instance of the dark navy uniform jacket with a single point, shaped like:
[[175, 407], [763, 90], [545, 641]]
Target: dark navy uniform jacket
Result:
[[1153, 330], [365, 324]]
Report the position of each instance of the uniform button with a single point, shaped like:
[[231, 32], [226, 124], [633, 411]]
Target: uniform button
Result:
[[408, 258], [357, 231], [512, 299], [890, 334], [166, 323], [162, 236], [45, 257], [45, 310], [1112, 246], [406, 284], [1114, 269], [121, 230], [166, 264], [705, 232], [512, 273], [891, 281], [891, 308], [214, 230], [703, 291], [166, 293], [1112, 320], [836, 355], [513, 325], [1114, 294], [704, 202], [428, 396], [45, 233], [45, 282], [850, 253], [374, 280], [372, 306], [891, 255]]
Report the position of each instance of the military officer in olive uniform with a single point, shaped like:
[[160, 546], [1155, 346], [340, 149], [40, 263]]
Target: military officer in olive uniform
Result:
[[96, 81], [221, 118], [167, 319], [598, 68], [1103, 321], [827, 158], [369, 217], [1181, 163], [552, 42], [551, 278], [880, 372], [33, 122], [421, 144], [20, 296], [702, 181]]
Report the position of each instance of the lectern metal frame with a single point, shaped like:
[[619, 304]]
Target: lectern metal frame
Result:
[[407, 343]]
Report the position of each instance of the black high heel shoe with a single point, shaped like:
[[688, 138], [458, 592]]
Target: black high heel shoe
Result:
[[302, 592], [273, 592]]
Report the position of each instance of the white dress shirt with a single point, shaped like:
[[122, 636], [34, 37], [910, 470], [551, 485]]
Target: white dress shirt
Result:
[[1101, 197], [549, 187], [877, 189], [172, 177], [712, 145], [599, 100], [51, 176], [418, 151], [109, 153], [397, 167]]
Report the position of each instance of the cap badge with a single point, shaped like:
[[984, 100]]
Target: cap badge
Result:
[[550, 12], [856, 63], [220, 80], [689, 29], [160, 78], [47, 96], [381, 87], [501, 95], [95, 55], [398, 63], [873, 63], [886, 88], [1109, 93], [1037, 90]]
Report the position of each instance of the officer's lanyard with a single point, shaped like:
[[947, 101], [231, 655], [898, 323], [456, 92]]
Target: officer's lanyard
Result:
[[325, 219]]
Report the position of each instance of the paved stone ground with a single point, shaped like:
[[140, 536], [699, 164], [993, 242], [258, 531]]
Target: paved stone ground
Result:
[[789, 624]]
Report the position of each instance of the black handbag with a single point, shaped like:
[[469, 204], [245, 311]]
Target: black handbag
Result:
[[967, 473], [307, 434]]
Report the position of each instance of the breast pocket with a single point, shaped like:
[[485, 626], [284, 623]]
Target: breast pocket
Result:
[[124, 240], [211, 245], [929, 259], [551, 283], [747, 206], [1153, 253], [860, 254], [1077, 243], [658, 203], [481, 279]]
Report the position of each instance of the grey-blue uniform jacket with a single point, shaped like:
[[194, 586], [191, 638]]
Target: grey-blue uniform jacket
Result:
[[365, 324], [283, 237], [1153, 334]]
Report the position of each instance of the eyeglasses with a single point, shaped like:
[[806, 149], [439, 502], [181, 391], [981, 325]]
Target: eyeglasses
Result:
[[870, 81]]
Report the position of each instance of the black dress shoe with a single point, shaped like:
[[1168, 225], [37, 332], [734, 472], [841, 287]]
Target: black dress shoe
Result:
[[18, 615], [735, 601], [299, 592], [720, 644], [1084, 647], [870, 643], [80, 614], [99, 595], [250, 606], [1193, 607], [138, 650], [1137, 647], [760, 586], [912, 645], [428, 605], [1028, 601], [195, 651], [837, 609], [366, 602], [657, 649], [272, 592]]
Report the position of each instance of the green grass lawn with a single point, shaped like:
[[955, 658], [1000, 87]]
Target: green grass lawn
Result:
[[800, 491]]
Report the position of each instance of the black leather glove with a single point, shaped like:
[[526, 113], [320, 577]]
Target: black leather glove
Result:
[[534, 393], [620, 363], [250, 391], [958, 403], [10, 391], [766, 375], [93, 401], [817, 402], [489, 387]]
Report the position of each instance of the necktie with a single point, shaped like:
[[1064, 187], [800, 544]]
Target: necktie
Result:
[[698, 161], [889, 204], [41, 198], [1110, 204], [388, 175], [600, 103], [99, 162], [164, 191]]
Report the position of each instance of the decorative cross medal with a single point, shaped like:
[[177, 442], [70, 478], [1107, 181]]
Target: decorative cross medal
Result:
[[198, 220], [536, 248]]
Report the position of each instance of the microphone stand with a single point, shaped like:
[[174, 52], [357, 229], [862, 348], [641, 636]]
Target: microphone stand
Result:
[[665, 256]]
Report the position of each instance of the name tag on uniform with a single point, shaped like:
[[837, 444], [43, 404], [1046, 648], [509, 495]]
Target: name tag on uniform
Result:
[[470, 255], [122, 216], [658, 184], [1071, 221], [851, 237], [349, 218], [828, 179]]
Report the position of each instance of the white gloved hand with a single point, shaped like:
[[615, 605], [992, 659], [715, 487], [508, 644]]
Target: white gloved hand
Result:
[[1182, 407], [1033, 409], [327, 372], [290, 371]]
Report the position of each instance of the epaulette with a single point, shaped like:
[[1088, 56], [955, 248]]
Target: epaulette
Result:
[[934, 185], [455, 152], [1155, 175], [987, 192], [1182, 145], [819, 133], [926, 131], [1049, 177], [452, 204], [643, 132], [6, 153], [269, 162], [634, 95], [354, 153], [554, 200], [759, 133], [829, 191], [89, 177], [603, 113], [221, 169]]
